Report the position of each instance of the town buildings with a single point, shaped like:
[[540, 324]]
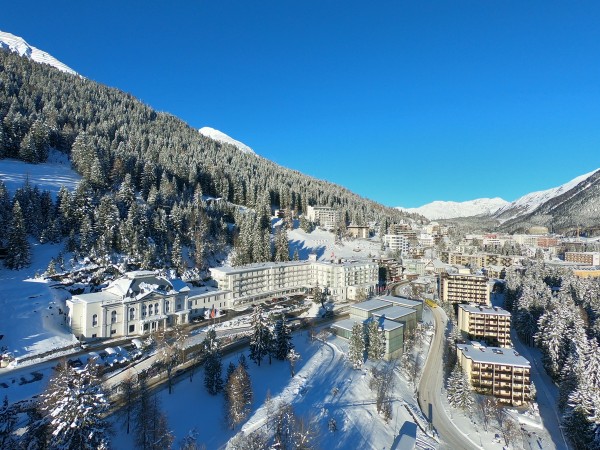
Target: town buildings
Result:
[[479, 322], [587, 258], [359, 231], [397, 242], [496, 371]]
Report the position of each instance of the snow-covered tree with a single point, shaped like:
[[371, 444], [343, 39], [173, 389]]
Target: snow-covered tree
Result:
[[75, 405], [238, 392], [460, 393], [8, 421], [356, 345], [213, 380], [376, 338], [282, 339], [293, 357], [260, 339], [18, 251], [152, 430]]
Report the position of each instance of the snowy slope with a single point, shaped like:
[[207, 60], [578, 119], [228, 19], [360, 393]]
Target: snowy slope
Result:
[[219, 136], [16, 44], [529, 202], [450, 210], [48, 176]]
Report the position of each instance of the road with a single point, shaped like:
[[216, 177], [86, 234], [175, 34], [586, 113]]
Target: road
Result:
[[430, 391]]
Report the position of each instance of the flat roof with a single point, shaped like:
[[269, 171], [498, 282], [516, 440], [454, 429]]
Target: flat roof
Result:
[[274, 265], [476, 309], [387, 325], [400, 300], [371, 305], [493, 355], [394, 312], [96, 297], [345, 324]]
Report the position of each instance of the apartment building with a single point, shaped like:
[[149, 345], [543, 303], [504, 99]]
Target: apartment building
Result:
[[479, 259], [464, 288], [140, 302], [500, 372], [358, 231], [396, 242], [587, 258], [478, 322], [258, 282], [325, 216]]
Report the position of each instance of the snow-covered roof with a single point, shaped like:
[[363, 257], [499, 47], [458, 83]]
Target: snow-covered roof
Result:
[[400, 300], [493, 355], [394, 312], [371, 305], [345, 324], [479, 309]]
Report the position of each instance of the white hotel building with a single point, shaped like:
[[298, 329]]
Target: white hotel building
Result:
[[258, 282]]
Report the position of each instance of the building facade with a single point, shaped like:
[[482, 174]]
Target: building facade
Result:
[[587, 258], [258, 282], [495, 371], [396, 242], [485, 323], [326, 217], [464, 288]]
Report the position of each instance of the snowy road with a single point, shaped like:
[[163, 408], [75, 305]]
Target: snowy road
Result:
[[430, 391]]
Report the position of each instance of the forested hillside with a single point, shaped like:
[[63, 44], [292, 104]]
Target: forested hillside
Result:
[[560, 314], [148, 178]]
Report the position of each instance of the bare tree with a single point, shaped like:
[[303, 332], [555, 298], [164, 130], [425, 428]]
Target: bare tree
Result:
[[509, 430], [486, 406]]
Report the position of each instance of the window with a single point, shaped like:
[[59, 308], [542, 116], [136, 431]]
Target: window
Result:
[[94, 335], [146, 327], [167, 306], [131, 328], [113, 318], [156, 308], [113, 331], [95, 320], [143, 310], [131, 313]]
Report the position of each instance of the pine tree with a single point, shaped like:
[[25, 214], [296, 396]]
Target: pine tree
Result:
[[238, 392], [282, 340], [261, 336], [18, 252], [356, 345], [75, 405], [376, 338], [8, 422], [213, 365], [460, 393]]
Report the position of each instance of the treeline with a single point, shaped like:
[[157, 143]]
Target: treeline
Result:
[[109, 134], [560, 314]]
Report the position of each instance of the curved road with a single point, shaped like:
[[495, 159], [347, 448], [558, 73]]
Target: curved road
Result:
[[430, 391]]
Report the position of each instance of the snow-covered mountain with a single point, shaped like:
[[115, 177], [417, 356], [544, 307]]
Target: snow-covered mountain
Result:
[[530, 202], [450, 210], [13, 43], [219, 136]]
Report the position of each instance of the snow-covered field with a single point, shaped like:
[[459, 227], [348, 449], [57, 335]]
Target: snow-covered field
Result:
[[323, 244], [324, 387], [48, 176]]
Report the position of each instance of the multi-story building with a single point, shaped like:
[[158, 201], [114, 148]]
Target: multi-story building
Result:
[[258, 282], [358, 231], [479, 259], [325, 216], [500, 372], [587, 258], [140, 302], [485, 323], [464, 288], [397, 242]]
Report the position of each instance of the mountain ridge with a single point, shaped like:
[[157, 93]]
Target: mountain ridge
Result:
[[440, 209], [18, 45]]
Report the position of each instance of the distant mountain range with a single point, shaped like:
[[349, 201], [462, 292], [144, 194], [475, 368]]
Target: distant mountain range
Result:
[[575, 204], [16, 44]]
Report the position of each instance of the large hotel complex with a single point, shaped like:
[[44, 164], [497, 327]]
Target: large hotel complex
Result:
[[141, 302]]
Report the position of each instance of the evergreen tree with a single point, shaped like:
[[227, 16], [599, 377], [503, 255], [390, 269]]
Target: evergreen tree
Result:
[[213, 365], [376, 338], [260, 340], [282, 340], [356, 345], [18, 252], [238, 392], [460, 393], [75, 405], [8, 422]]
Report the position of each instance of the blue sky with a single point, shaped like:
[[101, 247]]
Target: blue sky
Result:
[[404, 102]]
